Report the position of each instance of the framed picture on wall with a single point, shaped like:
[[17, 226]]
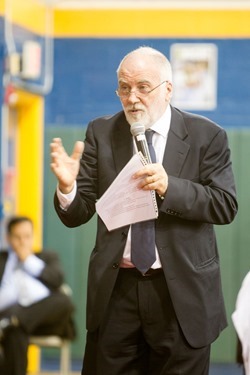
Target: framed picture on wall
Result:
[[194, 75]]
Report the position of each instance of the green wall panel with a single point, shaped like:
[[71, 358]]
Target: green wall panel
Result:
[[233, 242], [75, 245]]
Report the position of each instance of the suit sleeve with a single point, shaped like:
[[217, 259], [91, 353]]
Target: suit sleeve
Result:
[[52, 275], [211, 197]]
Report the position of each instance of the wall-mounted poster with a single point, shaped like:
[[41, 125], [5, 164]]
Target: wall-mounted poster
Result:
[[194, 75]]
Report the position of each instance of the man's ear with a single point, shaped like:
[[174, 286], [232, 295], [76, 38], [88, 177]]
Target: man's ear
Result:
[[169, 91]]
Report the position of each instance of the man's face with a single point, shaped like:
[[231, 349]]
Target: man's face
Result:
[[141, 71], [21, 238]]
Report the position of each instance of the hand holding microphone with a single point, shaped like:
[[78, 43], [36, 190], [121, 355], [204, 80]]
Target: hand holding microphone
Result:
[[155, 175]]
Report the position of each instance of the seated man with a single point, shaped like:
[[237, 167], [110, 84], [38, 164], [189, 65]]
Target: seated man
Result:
[[31, 301]]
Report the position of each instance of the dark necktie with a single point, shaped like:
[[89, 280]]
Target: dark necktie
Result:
[[143, 233]]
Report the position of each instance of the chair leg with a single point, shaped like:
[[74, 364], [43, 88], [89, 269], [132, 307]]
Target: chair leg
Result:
[[65, 365]]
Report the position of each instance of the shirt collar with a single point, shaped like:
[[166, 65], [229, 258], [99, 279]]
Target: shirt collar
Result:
[[12, 257], [162, 125]]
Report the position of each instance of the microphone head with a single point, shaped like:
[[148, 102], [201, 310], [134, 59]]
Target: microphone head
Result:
[[136, 129]]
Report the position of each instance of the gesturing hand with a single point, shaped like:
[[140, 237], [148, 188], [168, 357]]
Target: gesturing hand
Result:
[[65, 167]]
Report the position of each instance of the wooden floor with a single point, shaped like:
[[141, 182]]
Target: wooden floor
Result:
[[219, 369], [53, 373], [215, 370]]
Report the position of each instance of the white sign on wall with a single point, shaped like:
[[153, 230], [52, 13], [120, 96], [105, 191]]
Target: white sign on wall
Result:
[[194, 75]]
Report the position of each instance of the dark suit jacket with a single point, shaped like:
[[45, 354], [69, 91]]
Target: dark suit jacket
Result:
[[201, 193]]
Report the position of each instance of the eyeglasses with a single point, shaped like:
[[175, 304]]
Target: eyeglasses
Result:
[[140, 91]]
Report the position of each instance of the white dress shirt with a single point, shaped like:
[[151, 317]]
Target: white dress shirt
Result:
[[19, 282], [161, 129], [241, 320]]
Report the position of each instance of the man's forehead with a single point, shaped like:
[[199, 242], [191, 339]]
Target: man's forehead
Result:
[[139, 63], [137, 81], [24, 225]]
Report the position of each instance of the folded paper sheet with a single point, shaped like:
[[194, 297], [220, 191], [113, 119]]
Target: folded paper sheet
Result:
[[123, 203]]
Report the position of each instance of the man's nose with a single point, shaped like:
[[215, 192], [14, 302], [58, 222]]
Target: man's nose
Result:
[[132, 97]]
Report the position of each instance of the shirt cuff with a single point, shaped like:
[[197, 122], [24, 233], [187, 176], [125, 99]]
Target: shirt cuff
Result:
[[66, 199], [33, 265]]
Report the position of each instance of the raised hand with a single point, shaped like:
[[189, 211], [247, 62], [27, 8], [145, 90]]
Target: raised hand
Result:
[[65, 167]]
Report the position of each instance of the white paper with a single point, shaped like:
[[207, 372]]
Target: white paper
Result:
[[123, 203]]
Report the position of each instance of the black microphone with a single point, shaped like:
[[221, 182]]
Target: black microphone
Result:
[[138, 131]]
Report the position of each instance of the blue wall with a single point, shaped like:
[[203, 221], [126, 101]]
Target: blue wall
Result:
[[1, 59], [85, 79]]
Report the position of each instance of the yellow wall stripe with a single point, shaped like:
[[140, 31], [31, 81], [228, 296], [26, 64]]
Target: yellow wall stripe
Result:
[[29, 167], [29, 161], [30, 14], [187, 23], [152, 23]]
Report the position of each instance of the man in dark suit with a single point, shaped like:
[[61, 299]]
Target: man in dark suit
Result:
[[31, 302], [162, 321]]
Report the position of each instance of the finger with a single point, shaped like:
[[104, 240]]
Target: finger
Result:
[[55, 167], [153, 183], [152, 179], [57, 160], [57, 145], [147, 183], [145, 171], [56, 142], [78, 150]]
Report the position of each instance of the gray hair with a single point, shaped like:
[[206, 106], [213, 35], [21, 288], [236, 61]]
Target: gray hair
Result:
[[160, 59]]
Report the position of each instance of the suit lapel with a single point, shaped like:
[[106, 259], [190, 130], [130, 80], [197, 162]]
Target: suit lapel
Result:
[[122, 143], [176, 148]]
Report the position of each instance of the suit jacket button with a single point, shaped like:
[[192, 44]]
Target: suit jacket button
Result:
[[115, 265]]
